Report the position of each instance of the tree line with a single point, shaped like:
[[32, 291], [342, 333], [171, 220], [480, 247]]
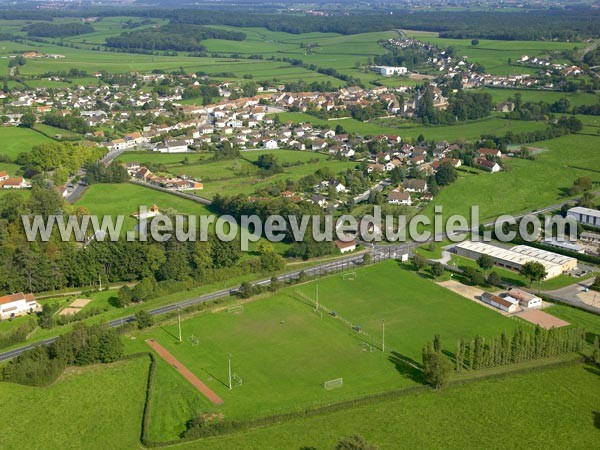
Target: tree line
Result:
[[83, 346], [174, 36], [503, 350], [58, 30]]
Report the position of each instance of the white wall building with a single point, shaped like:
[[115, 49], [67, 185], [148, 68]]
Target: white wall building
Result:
[[14, 305], [586, 216]]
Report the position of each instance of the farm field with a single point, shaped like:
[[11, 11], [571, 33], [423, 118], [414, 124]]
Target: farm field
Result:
[[527, 184], [16, 140], [566, 419], [80, 409], [282, 328]]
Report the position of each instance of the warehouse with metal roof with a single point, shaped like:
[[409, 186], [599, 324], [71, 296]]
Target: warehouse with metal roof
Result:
[[516, 257]]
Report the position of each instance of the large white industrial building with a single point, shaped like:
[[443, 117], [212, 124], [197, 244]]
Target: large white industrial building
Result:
[[517, 256]]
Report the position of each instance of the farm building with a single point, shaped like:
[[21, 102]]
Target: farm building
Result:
[[586, 216], [516, 257], [14, 305], [525, 299], [506, 304]]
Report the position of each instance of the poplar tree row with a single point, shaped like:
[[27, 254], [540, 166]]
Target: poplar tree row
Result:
[[479, 353]]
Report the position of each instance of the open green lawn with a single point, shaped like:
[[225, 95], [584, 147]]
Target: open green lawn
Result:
[[239, 176], [494, 55], [526, 185], [125, 199], [556, 408], [16, 140], [284, 352], [463, 131], [536, 95], [96, 407]]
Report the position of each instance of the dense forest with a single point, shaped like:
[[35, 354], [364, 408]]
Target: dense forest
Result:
[[46, 29], [175, 36]]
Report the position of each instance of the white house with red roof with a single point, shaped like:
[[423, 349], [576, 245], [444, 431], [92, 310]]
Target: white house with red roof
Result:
[[14, 305]]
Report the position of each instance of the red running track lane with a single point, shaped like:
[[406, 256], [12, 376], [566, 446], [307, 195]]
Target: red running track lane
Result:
[[187, 374]]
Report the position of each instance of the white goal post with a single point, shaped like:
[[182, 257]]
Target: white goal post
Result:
[[367, 347], [350, 276], [193, 340], [237, 309], [333, 384]]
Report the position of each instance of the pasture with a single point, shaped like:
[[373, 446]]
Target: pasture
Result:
[[526, 185], [16, 140], [470, 130], [79, 410], [284, 352], [239, 176], [125, 199], [495, 55]]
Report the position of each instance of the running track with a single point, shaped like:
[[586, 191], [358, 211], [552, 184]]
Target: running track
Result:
[[166, 355]]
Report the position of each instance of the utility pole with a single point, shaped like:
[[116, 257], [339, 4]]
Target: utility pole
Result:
[[229, 361], [383, 335], [317, 304]]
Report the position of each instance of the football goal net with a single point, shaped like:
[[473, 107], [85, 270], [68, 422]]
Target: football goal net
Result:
[[193, 340], [333, 384], [238, 309], [366, 347], [349, 276], [236, 380]]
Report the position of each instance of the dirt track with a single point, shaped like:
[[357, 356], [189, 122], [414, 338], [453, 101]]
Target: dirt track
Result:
[[187, 374]]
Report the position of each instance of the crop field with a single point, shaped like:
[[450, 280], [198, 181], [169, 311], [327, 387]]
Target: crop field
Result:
[[527, 184], [16, 140], [284, 352], [92, 407]]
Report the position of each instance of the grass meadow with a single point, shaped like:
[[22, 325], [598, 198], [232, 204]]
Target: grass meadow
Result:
[[97, 407], [16, 140], [463, 131], [239, 176], [556, 408], [494, 55], [525, 185]]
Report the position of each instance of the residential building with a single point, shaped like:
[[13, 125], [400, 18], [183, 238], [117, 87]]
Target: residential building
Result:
[[14, 305]]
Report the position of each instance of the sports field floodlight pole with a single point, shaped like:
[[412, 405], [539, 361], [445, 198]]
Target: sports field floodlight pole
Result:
[[317, 304], [383, 335], [229, 361], [179, 322]]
